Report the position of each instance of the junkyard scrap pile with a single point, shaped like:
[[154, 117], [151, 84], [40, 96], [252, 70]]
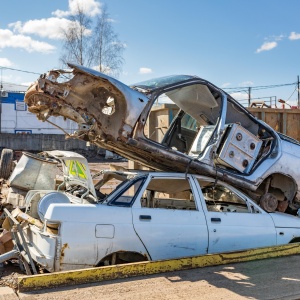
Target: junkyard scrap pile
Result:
[[34, 176], [212, 134], [234, 185]]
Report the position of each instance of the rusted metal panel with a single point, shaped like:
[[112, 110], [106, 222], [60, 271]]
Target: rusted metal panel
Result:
[[50, 280]]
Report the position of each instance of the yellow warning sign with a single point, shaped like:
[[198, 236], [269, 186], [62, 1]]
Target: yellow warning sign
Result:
[[76, 169]]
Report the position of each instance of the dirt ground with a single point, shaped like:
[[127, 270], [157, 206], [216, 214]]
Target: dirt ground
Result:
[[9, 271], [276, 278]]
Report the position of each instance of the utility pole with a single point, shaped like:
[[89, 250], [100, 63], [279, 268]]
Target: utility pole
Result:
[[298, 84], [249, 96]]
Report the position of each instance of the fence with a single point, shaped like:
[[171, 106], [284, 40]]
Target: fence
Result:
[[45, 142]]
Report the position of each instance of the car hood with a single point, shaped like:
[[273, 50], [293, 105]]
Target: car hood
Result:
[[75, 169], [105, 108], [285, 220]]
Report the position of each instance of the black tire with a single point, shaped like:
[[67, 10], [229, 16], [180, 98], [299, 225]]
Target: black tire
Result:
[[6, 163]]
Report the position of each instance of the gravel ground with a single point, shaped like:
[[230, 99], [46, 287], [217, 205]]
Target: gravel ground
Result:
[[9, 272]]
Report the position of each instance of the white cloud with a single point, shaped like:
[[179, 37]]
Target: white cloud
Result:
[[267, 46], [145, 71], [294, 36], [247, 83], [27, 84], [4, 62], [7, 77], [90, 7], [50, 28], [226, 84], [111, 20], [105, 69], [123, 45], [277, 37], [239, 96], [9, 39]]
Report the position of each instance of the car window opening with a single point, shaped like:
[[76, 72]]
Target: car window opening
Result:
[[169, 194], [219, 198], [126, 196]]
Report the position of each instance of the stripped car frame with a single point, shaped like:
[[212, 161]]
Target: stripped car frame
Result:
[[212, 134]]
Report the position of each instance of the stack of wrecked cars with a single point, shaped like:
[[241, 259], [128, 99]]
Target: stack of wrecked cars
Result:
[[220, 180], [212, 134]]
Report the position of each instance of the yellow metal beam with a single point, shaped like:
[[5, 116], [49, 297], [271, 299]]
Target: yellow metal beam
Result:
[[66, 278]]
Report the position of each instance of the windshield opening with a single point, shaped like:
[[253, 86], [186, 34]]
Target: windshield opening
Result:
[[156, 83]]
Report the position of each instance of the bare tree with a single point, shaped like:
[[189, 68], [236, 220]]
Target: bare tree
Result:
[[100, 46], [78, 39], [108, 49]]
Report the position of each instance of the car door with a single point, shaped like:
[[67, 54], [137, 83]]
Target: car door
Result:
[[234, 221], [169, 219]]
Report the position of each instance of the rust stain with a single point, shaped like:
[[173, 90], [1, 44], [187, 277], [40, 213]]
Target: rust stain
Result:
[[62, 252]]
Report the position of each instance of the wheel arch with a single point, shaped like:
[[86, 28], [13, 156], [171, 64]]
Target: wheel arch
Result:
[[279, 183], [122, 257], [295, 240]]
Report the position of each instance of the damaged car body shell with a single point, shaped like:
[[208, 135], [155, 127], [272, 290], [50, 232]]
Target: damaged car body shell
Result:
[[212, 134]]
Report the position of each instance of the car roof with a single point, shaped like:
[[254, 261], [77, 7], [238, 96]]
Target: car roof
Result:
[[161, 82], [136, 173]]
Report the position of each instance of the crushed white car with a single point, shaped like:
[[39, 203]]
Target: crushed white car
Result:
[[212, 134], [148, 216]]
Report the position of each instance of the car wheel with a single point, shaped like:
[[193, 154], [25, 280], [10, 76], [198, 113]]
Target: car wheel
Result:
[[268, 202], [6, 163]]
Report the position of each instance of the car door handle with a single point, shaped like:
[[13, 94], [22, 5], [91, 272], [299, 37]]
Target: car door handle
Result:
[[145, 217], [215, 219]]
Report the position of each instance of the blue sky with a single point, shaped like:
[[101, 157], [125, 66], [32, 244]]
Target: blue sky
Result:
[[232, 43]]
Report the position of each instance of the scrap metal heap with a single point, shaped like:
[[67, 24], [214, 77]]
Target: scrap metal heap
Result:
[[212, 133]]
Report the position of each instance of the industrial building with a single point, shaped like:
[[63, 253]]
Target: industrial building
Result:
[[15, 117]]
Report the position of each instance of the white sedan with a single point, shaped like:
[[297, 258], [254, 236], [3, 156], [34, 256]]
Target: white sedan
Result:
[[149, 216]]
